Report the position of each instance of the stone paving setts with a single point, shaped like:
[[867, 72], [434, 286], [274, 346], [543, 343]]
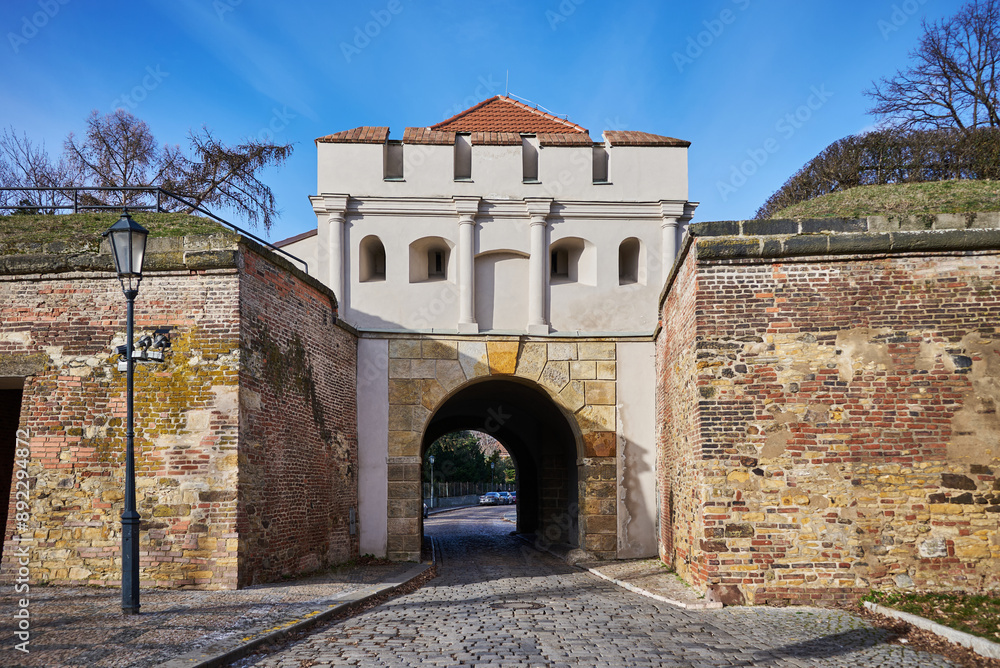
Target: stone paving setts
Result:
[[84, 626], [498, 602]]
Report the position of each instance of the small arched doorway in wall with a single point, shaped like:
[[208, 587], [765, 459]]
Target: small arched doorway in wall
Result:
[[538, 437]]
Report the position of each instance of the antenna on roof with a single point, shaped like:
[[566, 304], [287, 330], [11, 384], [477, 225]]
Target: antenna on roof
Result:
[[538, 106], [506, 86]]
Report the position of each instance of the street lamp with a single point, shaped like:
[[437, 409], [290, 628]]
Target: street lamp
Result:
[[493, 475], [128, 246], [431, 460]]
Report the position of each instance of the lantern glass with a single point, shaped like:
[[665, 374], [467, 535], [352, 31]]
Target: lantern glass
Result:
[[128, 246]]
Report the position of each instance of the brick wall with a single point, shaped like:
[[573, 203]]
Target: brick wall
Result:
[[848, 432], [677, 424], [278, 453], [59, 331], [298, 446]]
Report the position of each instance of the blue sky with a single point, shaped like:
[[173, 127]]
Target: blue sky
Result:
[[758, 86]]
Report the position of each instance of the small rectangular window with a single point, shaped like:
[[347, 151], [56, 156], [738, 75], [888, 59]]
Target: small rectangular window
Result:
[[529, 158], [463, 157], [600, 164], [393, 161], [436, 264], [560, 263]]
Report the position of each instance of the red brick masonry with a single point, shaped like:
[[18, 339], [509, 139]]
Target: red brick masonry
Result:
[[828, 413], [257, 393]]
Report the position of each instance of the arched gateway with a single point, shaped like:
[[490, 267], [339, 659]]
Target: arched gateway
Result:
[[581, 471], [510, 294]]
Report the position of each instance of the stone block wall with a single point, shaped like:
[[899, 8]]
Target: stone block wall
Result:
[[61, 315], [298, 427], [580, 376], [847, 379]]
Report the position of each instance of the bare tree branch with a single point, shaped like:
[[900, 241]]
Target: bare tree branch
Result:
[[953, 79], [25, 165], [227, 176], [119, 150]]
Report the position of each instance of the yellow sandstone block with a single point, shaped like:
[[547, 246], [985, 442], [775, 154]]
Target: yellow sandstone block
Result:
[[945, 508], [502, 356], [738, 476]]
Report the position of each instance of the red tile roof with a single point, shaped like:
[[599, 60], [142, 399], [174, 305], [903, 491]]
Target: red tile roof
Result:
[[366, 134], [500, 121], [495, 139], [502, 114], [564, 139], [636, 138], [428, 136]]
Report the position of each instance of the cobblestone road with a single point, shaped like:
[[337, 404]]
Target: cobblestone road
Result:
[[499, 603]]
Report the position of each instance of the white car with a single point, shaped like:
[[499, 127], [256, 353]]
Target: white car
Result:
[[490, 499]]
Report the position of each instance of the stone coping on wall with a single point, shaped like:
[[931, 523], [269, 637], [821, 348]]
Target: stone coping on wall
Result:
[[196, 252], [732, 239], [872, 235], [193, 252]]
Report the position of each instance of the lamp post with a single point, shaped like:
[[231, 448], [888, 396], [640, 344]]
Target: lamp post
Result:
[[493, 475], [431, 460], [128, 247]]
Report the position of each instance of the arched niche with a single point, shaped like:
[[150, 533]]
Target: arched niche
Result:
[[631, 262], [371, 259], [573, 260], [430, 260]]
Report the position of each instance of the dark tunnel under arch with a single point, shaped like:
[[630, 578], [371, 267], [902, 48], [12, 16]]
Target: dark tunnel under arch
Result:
[[540, 440]]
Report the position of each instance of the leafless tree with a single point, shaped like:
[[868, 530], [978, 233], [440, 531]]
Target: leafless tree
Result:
[[23, 164], [119, 150], [953, 79], [227, 176]]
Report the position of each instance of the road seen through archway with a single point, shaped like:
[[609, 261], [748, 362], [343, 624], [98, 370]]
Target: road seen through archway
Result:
[[498, 602]]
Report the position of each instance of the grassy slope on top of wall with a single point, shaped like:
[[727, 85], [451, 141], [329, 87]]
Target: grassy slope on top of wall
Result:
[[31, 233], [900, 199]]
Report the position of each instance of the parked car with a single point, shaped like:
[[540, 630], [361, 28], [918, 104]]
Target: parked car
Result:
[[490, 499], [506, 498], [513, 498]]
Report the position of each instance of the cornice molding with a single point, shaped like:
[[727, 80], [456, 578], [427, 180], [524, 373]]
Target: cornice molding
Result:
[[330, 203], [520, 209]]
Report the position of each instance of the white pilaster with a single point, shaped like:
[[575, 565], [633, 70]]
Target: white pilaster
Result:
[[334, 209], [685, 220], [668, 229], [675, 216], [538, 275], [467, 208], [336, 237]]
